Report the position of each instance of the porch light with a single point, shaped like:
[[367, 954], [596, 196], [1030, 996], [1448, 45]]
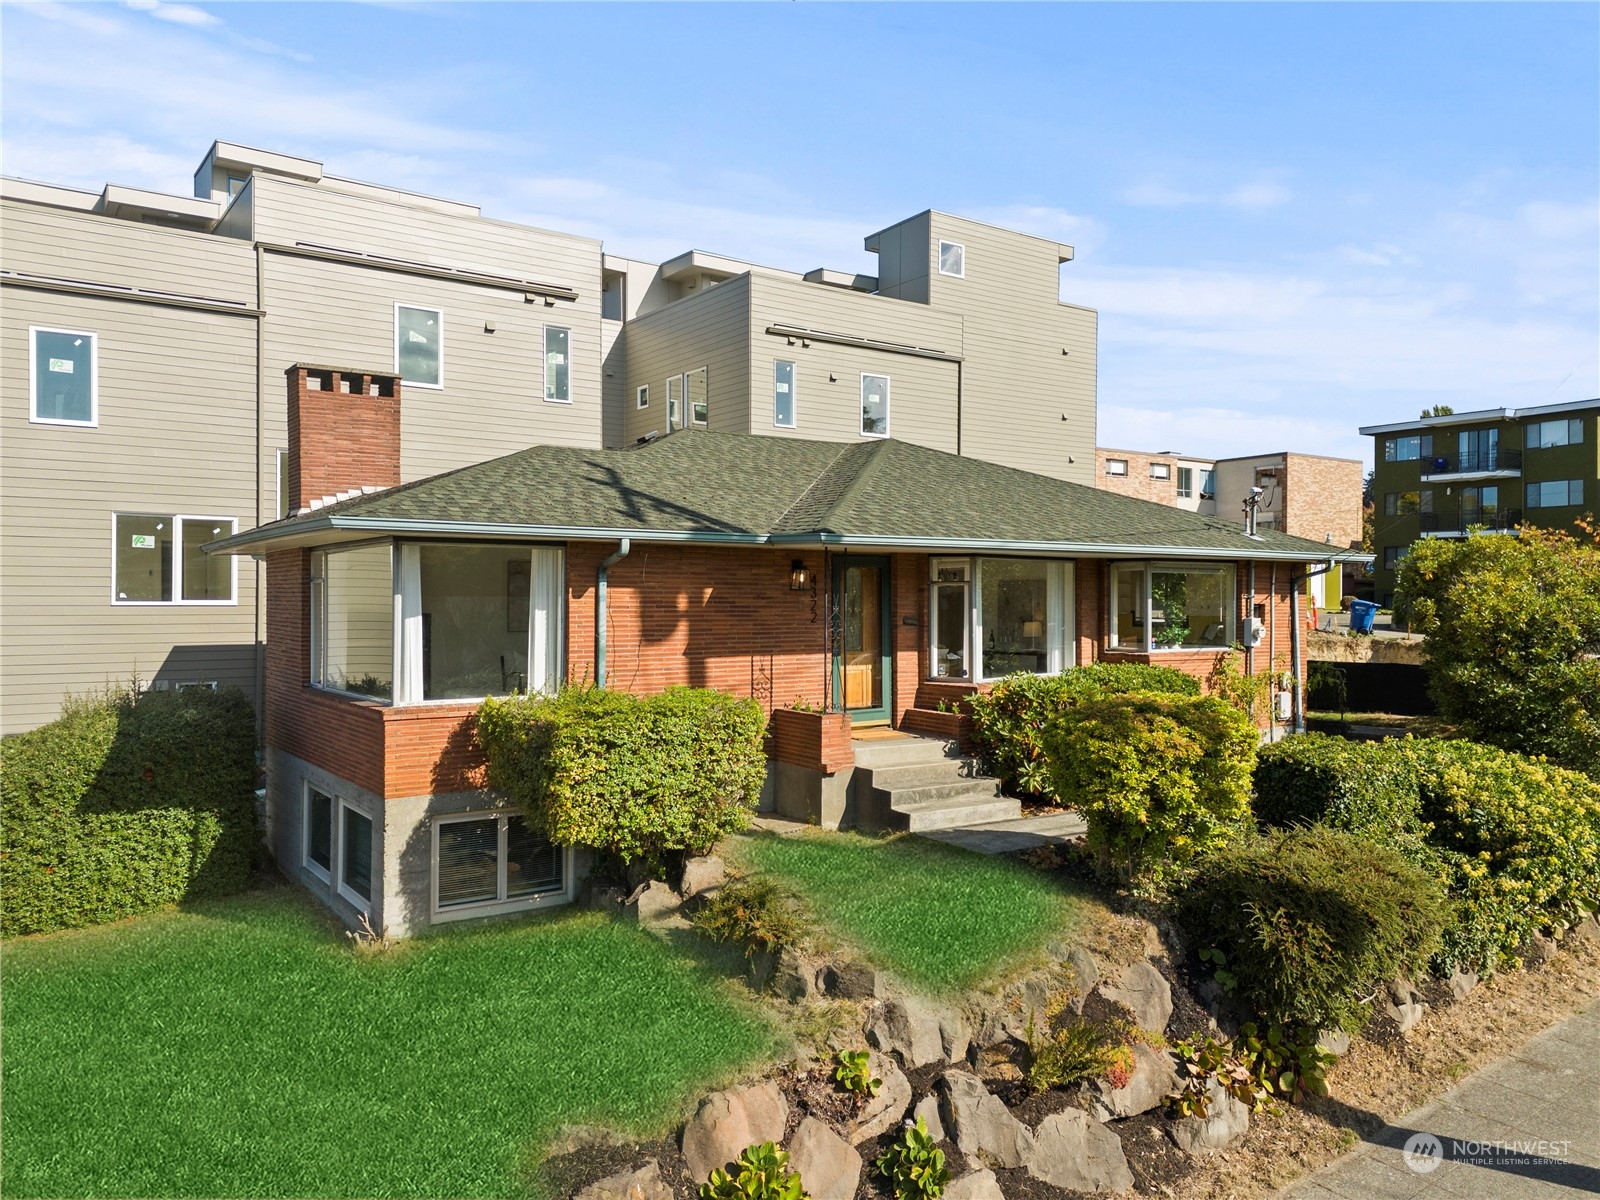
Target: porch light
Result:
[[799, 576]]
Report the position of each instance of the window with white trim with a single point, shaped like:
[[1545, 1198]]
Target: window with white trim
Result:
[[419, 345], [1160, 470], [1116, 466], [318, 824], [63, 374], [1555, 493], [641, 396], [991, 617], [696, 395], [1185, 483], [874, 405], [352, 615], [557, 364], [1172, 606], [674, 402], [953, 259], [783, 394], [493, 861], [157, 559], [355, 856]]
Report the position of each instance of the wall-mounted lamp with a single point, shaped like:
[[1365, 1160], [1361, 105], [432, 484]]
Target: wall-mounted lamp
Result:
[[799, 576]]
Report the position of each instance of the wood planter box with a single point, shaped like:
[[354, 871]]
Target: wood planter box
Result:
[[819, 741]]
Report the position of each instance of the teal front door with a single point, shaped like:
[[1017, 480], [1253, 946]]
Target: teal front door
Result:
[[862, 662]]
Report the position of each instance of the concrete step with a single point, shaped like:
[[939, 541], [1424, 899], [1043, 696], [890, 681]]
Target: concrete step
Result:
[[903, 752], [957, 814], [935, 793], [946, 770]]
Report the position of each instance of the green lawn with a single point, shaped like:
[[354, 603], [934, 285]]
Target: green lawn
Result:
[[242, 1049], [937, 916]]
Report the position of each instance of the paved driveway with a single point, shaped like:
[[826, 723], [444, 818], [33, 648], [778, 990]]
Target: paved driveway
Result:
[[1525, 1128]]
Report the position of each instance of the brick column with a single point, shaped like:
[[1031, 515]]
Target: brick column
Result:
[[344, 431]]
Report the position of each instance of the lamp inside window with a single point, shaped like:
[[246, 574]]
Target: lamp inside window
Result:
[[799, 576]]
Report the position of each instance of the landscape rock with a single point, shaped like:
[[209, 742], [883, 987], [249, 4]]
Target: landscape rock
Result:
[[729, 1122], [1226, 1123], [655, 903], [1153, 1078], [1073, 1150], [1334, 1041], [852, 981], [978, 1185], [1539, 949], [1143, 991], [825, 1162], [885, 1110], [1461, 983], [980, 1124], [761, 965], [1587, 929], [955, 1034], [606, 899], [928, 1109], [704, 873], [644, 1184], [794, 976], [1006, 1016], [1403, 991], [1085, 974], [1405, 1016], [907, 1027]]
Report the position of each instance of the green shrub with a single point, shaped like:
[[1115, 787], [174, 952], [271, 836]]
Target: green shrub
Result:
[[1069, 1049], [1159, 779], [854, 1075], [763, 1174], [915, 1165], [1009, 721], [750, 911], [124, 805], [1311, 920], [635, 776], [1315, 778]]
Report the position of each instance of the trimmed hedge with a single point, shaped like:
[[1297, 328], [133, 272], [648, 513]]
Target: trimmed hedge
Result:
[[124, 805], [1311, 920], [1009, 721], [1159, 779], [635, 776], [1515, 839]]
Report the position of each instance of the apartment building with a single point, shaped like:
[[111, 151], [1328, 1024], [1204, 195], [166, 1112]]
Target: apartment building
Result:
[[144, 338], [1487, 471], [1309, 496]]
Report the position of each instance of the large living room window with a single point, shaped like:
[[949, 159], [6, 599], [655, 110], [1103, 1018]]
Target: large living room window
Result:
[[473, 620], [1172, 606], [991, 617], [491, 862]]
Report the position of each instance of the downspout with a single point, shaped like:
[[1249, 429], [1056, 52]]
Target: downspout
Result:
[[1250, 607], [1272, 642], [258, 562], [600, 612], [958, 409]]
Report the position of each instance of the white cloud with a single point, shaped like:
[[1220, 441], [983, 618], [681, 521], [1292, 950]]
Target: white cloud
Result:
[[178, 14], [1258, 195]]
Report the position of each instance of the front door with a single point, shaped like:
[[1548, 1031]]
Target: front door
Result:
[[862, 662]]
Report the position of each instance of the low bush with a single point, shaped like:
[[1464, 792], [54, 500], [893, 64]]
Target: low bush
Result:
[[854, 1075], [750, 911], [914, 1165], [1311, 921], [1069, 1049], [1009, 721], [762, 1173], [1315, 778], [126, 804], [1159, 779], [634, 776]]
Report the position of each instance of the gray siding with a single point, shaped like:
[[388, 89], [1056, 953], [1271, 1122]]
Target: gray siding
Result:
[[903, 260], [710, 329]]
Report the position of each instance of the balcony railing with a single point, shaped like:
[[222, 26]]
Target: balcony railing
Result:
[[1451, 520], [1476, 460]]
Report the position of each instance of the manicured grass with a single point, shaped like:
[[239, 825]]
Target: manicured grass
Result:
[[938, 916], [242, 1049]]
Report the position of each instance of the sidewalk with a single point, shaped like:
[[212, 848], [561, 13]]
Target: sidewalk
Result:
[[1525, 1128]]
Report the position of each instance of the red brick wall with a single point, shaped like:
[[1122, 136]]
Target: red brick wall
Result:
[[909, 584], [820, 741], [344, 431]]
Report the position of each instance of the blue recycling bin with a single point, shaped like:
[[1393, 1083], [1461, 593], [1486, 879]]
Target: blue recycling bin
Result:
[[1362, 613]]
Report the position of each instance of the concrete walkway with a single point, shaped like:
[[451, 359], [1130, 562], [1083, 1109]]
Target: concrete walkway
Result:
[[1524, 1128], [1007, 837]]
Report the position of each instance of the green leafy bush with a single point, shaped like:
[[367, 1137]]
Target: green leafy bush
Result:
[[763, 1174], [1513, 639], [750, 911], [1009, 721], [915, 1165], [854, 1076], [635, 776], [1311, 920], [1315, 778], [124, 805], [1069, 1049], [1159, 779]]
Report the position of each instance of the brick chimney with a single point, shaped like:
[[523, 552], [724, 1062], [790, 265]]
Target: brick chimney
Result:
[[344, 432]]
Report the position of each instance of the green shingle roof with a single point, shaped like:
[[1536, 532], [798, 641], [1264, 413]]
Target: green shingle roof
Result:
[[740, 488]]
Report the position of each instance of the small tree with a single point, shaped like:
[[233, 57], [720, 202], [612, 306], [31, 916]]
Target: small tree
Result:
[[1513, 639]]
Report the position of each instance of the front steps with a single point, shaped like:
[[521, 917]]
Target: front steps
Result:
[[917, 784]]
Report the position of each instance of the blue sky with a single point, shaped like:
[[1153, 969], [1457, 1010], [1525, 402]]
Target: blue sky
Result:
[[1294, 219]]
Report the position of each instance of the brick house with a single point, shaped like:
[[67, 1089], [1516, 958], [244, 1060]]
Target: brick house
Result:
[[841, 584]]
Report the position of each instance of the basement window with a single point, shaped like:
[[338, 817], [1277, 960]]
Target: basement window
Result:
[[355, 856], [492, 862]]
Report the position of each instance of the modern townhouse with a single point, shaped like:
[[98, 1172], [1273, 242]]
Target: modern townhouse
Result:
[[1485, 471], [184, 311], [1310, 496]]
